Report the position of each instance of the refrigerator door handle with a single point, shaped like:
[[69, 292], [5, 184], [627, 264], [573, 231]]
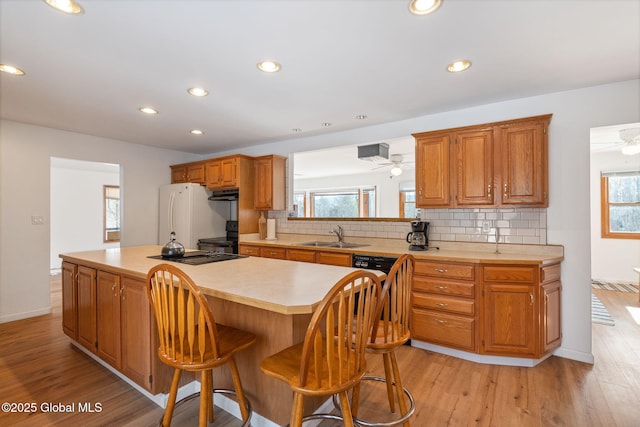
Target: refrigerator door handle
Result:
[[172, 197]]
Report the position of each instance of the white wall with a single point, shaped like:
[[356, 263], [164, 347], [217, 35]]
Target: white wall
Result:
[[611, 259], [25, 153], [568, 220], [77, 206]]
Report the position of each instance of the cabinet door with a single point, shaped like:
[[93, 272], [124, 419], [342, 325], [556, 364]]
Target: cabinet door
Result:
[[108, 294], [551, 304], [277, 253], [333, 258], [474, 168], [214, 174], [432, 171], [229, 172], [178, 174], [249, 250], [135, 315], [196, 173], [262, 187], [524, 166], [69, 300], [87, 321], [509, 320]]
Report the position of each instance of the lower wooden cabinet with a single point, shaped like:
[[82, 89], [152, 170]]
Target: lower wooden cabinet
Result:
[[499, 310], [113, 319], [304, 255]]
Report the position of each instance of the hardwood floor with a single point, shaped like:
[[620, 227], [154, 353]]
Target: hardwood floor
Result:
[[38, 365]]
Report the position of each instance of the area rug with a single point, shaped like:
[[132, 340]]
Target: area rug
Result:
[[599, 313], [609, 285]]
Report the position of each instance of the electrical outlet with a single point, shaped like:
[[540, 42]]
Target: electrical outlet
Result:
[[486, 226], [37, 220]]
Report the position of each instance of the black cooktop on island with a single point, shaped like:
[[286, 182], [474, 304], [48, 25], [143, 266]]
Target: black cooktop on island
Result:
[[200, 257]]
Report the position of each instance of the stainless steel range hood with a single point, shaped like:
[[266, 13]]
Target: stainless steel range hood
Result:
[[225, 194]]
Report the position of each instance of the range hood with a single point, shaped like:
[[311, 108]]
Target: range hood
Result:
[[374, 152], [226, 194]]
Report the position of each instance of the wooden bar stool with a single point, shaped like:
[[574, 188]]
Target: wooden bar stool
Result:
[[190, 339], [331, 359], [392, 332]]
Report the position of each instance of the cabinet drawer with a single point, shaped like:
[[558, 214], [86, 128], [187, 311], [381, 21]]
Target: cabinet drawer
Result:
[[278, 253], [301, 255], [249, 250], [443, 329], [550, 273], [444, 287], [333, 258], [509, 274], [450, 304], [444, 269]]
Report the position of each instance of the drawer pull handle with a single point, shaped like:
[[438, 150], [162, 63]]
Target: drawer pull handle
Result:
[[442, 322], [441, 270], [441, 287], [442, 304]]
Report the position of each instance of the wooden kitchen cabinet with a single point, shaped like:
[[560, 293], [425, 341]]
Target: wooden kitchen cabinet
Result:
[[136, 331], [303, 255], [108, 294], [222, 173], [444, 305], [521, 310], [271, 252], [333, 258], [87, 306], [269, 188], [69, 299], [188, 172], [490, 165]]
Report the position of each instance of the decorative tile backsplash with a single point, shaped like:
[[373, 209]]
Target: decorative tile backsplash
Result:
[[517, 226]]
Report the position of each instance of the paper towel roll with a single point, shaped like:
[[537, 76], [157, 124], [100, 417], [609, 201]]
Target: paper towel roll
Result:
[[271, 229]]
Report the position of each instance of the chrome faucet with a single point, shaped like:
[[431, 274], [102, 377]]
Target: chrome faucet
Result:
[[339, 232]]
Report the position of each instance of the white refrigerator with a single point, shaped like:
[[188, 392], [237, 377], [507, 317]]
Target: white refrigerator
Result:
[[187, 210]]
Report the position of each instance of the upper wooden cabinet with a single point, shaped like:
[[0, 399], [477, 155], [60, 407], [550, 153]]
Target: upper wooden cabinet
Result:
[[188, 172], [270, 180], [223, 173], [489, 165]]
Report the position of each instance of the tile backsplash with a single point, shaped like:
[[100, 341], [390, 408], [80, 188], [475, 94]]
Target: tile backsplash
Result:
[[517, 226]]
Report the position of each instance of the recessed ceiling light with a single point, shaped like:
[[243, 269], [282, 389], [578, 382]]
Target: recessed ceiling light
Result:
[[361, 117], [148, 110], [10, 69], [424, 7], [326, 124], [196, 132], [268, 66], [197, 91], [66, 6], [296, 130], [457, 66]]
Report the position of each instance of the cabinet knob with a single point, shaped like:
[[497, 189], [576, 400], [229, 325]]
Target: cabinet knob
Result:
[[441, 304], [441, 270], [442, 322], [441, 287], [489, 190], [505, 190], [122, 293]]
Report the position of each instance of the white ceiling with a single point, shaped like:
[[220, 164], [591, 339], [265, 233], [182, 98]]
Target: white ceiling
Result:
[[90, 73]]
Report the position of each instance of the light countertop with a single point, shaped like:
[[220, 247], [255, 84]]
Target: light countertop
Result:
[[449, 251], [287, 287]]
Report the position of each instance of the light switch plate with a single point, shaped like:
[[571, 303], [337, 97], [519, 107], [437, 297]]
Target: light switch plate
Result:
[[486, 226], [37, 220]]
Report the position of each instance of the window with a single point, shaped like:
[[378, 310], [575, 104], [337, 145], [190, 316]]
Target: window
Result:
[[111, 213], [408, 204], [336, 203], [620, 202]]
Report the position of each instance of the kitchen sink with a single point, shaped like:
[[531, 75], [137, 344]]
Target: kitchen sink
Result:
[[344, 245]]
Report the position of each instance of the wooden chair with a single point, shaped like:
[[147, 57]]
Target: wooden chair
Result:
[[331, 359], [190, 340], [392, 332]]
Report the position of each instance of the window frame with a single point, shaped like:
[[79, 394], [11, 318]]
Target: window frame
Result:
[[605, 206], [105, 231]]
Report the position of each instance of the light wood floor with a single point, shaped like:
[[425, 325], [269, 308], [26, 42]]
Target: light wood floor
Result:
[[38, 365]]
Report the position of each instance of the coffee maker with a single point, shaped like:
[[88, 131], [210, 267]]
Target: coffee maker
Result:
[[419, 236]]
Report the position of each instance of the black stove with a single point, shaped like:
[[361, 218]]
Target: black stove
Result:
[[200, 257]]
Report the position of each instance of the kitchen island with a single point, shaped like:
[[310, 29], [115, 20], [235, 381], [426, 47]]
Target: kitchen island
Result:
[[106, 312]]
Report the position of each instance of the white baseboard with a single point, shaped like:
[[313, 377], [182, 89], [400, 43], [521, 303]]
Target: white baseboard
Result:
[[26, 315], [575, 355]]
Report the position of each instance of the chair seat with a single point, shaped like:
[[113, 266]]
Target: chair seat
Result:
[[230, 341], [285, 366], [388, 341]]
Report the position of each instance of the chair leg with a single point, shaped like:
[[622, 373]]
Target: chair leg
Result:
[[399, 392], [205, 388], [297, 410], [355, 400], [388, 374], [171, 402], [347, 416], [210, 412], [237, 384]]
